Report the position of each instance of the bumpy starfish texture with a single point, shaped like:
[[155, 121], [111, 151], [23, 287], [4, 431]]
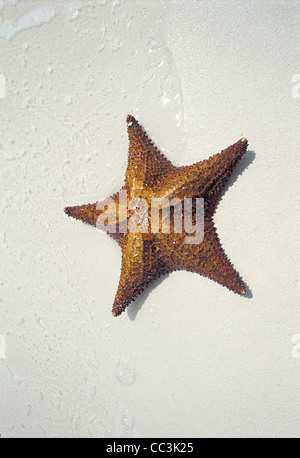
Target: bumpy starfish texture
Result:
[[148, 255]]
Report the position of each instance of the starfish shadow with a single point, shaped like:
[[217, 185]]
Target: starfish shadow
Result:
[[136, 305], [248, 294], [242, 165]]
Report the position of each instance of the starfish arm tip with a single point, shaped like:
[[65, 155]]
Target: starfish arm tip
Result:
[[117, 310], [244, 141], [130, 120], [240, 289], [71, 211]]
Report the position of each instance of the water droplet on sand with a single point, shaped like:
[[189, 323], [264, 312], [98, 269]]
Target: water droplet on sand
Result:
[[124, 373], [126, 423], [71, 12]]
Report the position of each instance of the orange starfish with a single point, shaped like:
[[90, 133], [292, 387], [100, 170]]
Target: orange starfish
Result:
[[148, 254]]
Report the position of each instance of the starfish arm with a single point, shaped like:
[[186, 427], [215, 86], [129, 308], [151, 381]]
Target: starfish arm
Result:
[[90, 213], [207, 178], [86, 213], [217, 265], [131, 272], [146, 164], [222, 165], [207, 258], [141, 264]]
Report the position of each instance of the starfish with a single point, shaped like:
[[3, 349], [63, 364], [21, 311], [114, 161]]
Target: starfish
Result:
[[148, 254]]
